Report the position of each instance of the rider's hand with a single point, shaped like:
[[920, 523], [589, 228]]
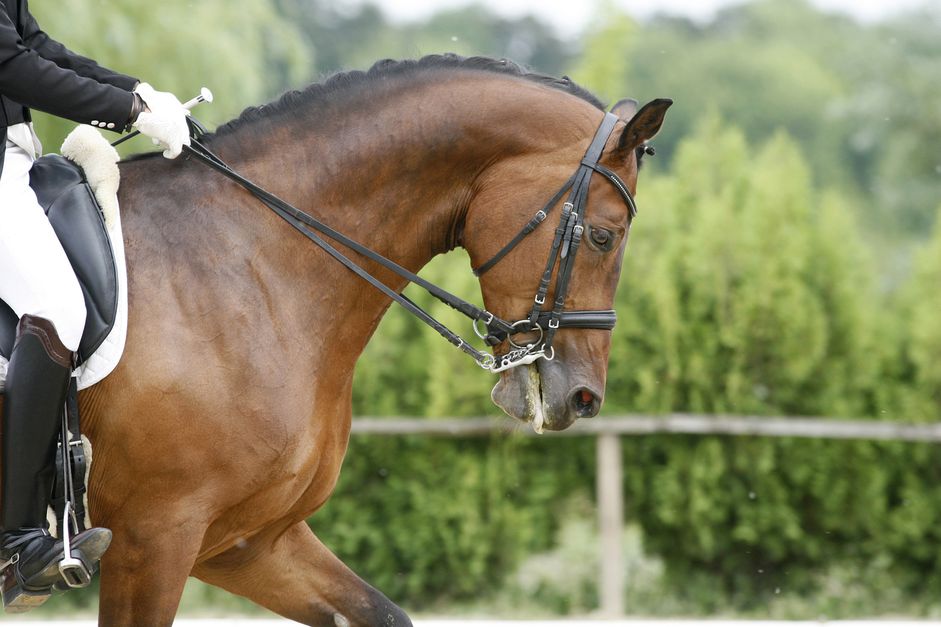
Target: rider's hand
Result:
[[163, 119]]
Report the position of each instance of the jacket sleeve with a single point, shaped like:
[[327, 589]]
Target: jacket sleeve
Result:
[[36, 39], [33, 81]]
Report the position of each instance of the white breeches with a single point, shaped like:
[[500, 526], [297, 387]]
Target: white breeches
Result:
[[36, 277]]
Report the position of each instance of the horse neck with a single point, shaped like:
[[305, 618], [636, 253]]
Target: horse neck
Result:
[[395, 171]]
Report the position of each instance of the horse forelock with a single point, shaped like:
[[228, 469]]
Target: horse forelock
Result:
[[389, 69]]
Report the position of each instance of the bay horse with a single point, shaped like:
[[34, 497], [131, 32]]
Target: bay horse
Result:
[[225, 424]]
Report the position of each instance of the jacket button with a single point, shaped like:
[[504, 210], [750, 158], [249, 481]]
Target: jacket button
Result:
[[94, 122]]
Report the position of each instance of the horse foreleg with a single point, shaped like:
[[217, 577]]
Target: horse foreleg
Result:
[[142, 576], [296, 576]]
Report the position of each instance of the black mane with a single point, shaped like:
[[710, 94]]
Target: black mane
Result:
[[389, 68]]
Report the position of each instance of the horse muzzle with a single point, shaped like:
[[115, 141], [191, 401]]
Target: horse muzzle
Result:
[[543, 394]]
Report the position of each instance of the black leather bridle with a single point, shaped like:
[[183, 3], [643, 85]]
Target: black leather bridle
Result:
[[568, 236], [545, 323]]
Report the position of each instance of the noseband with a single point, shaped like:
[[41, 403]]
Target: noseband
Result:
[[544, 322]]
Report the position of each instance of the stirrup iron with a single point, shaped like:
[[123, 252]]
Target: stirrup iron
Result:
[[74, 572]]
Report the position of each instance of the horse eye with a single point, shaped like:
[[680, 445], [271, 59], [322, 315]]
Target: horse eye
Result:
[[601, 238]]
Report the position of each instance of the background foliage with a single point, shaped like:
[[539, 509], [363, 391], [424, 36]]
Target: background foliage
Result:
[[786, 261]]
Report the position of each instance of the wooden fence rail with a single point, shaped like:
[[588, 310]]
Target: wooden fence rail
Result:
[[827, 428], [608, 432]]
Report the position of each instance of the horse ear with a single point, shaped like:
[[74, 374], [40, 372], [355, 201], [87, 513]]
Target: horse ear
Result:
[[642, 126], [625, 109]]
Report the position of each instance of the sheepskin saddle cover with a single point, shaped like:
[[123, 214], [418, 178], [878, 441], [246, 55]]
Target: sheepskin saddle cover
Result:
[[64, 188]]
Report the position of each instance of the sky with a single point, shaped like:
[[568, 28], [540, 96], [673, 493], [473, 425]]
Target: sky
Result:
[[570, 16]]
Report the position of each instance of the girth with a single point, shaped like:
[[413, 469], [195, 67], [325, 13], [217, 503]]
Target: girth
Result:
[[545, 322]]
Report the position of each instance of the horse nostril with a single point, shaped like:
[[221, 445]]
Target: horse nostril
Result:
[[585, 403]]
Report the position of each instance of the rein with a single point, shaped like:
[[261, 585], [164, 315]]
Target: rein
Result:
[[564, 246]]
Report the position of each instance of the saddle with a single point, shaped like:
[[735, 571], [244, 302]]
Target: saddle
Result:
[[67, 198]]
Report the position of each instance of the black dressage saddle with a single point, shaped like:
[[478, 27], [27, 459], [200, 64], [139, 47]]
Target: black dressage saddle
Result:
[[68, 201]]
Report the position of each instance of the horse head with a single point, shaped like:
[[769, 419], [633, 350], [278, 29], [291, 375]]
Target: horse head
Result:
[[569, 256]]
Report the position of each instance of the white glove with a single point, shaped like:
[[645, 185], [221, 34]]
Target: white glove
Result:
[[164, 120]]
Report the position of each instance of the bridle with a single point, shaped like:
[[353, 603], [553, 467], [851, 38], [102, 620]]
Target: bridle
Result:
[[565, 244], [545, 323]]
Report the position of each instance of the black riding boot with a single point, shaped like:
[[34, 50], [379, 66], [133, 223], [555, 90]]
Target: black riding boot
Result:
[[36, 386]]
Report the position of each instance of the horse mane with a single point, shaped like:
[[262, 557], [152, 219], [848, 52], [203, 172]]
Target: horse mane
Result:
[[382, 70], [390, 68]]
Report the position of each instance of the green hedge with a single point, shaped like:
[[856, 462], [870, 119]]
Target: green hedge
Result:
[[758, 516], [435, 519]]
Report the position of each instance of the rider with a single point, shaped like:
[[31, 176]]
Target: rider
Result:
[[37, 281]]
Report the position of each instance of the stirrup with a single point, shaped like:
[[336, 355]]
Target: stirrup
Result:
[[81, 563], [16, 597], [74, 572], [81, 553], [78, 566]]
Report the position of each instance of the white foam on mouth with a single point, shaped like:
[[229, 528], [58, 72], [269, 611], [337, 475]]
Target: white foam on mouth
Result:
[[535, 387], [538, 419]]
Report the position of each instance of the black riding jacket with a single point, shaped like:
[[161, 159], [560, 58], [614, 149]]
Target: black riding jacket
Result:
[[39, 72]]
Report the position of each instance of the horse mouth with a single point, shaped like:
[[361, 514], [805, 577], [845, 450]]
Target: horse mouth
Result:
[[523, 394]]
